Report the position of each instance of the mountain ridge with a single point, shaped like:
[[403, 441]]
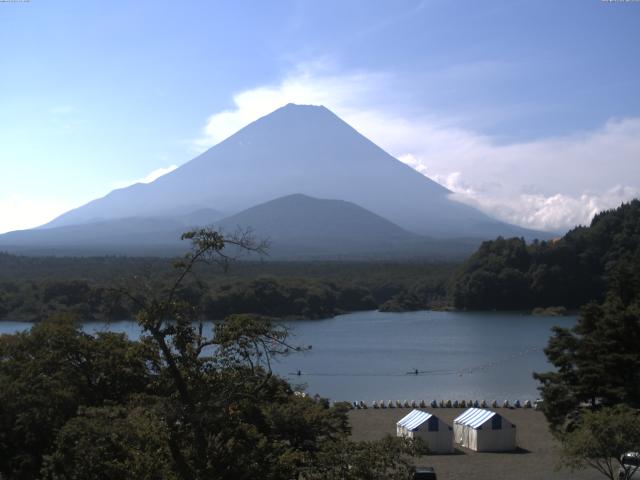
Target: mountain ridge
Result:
[[300, 149], [298, 227], [296, 150]]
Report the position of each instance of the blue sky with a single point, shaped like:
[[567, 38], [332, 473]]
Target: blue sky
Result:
[[529, 110]]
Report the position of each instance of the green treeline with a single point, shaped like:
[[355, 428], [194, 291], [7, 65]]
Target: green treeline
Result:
[[570, 272], [33, 288]]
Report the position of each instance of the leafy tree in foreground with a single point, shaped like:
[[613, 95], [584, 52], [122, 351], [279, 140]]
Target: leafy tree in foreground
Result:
[[104, 443], [600, 439], [593, 397], [47, 373], [183, 403], [230, 416], [388, 459], [598, 360]]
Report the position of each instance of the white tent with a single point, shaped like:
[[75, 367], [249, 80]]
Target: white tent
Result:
[[435, 433], [484, 431]]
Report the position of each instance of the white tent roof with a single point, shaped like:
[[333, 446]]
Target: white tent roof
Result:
[[414, 419], [474, 417]]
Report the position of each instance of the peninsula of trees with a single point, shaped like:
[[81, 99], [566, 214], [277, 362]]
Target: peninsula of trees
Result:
[[509, 274]]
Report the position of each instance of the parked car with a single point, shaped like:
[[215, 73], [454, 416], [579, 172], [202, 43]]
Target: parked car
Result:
[[630, 468], [424, 473]]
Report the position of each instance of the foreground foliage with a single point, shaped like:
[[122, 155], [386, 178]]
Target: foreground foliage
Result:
[[598, 360], [601, 438], [48, 373], [592, 399], [388, 459], [182, 403]]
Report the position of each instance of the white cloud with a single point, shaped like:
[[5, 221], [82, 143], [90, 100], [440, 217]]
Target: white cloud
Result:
[[551, 212], [150, 177], [310, 84], [552, 183], [20, 212], [157, 173], [549, 183]]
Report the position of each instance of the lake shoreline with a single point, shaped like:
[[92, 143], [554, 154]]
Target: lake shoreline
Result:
[[536, 312]]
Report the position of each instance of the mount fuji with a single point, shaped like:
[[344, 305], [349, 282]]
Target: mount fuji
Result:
[[297, 151]]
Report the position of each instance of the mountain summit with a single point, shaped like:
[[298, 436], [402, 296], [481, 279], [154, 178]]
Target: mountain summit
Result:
[[297, 149], [300, 176]]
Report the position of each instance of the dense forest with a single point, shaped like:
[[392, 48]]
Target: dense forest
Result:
[[33, 288], [597, 360], [591, 398], [569, 272], [501, 274]]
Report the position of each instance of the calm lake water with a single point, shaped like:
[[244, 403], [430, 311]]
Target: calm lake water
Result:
[[367, 355]]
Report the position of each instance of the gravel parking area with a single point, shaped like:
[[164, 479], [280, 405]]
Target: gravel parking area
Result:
[[537, 457]]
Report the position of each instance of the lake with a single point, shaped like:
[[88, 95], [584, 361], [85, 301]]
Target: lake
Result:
[[368, 355]]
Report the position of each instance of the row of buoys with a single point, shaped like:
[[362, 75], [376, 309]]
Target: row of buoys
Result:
[[443, 404]]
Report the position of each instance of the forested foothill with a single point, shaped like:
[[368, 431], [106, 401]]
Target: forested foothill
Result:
[[592, 398], [508, 274]]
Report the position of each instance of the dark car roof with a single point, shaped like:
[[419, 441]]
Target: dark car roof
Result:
[[424, 473]]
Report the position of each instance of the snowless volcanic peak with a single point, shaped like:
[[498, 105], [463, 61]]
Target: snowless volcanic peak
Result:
[[297, 149]]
